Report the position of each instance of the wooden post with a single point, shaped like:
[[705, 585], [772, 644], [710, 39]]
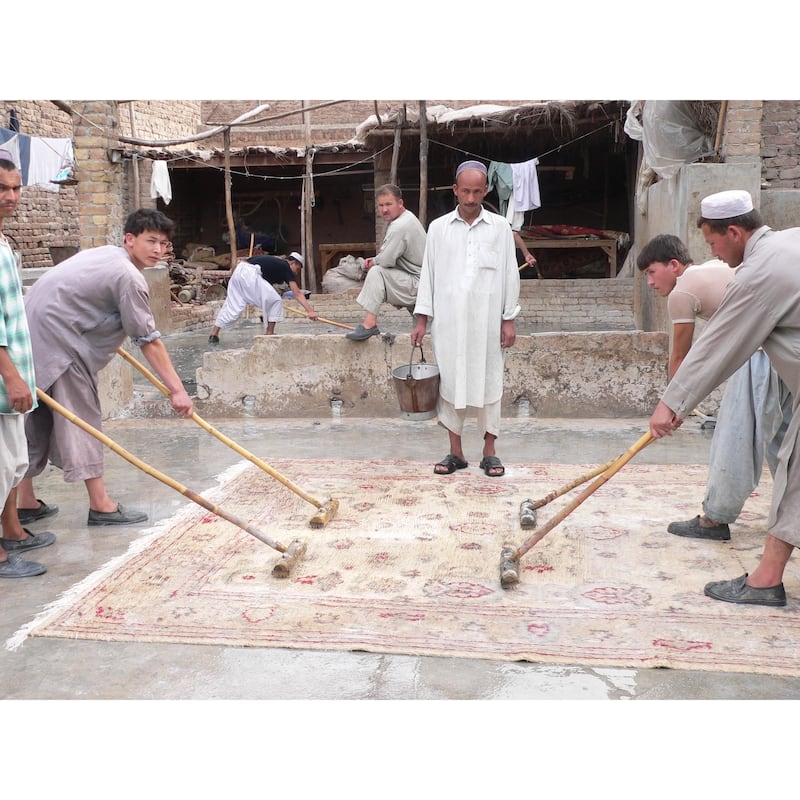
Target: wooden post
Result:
[[398, 135], [228, 203], [137, 196], [307, 206], [723, 110], [423, 163]]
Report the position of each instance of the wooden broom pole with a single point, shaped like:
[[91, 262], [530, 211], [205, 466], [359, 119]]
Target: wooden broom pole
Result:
[[612, 470], [330, 507], [320, 319], [510, 557], [193, 496]]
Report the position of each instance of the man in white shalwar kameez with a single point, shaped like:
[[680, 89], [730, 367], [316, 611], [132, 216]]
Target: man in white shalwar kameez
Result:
[[469, 289], [760, 308]]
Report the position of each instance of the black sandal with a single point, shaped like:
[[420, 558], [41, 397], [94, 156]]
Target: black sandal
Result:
[[490, 465], [450, 463]]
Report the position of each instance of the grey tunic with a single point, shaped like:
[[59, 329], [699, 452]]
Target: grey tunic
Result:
[[394, 275], [760, 308], [79, 313], [403, 245], [83, 308]]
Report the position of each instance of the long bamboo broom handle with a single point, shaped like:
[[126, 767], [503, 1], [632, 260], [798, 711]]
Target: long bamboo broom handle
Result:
[[221, 436], [193, 496], [615, 467], [320, 319], [570, 486]]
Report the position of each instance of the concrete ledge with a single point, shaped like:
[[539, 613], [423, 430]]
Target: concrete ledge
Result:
[[115, 387], [588, 374]]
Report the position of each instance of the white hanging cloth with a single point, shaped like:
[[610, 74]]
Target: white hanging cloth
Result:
[[160, 185]]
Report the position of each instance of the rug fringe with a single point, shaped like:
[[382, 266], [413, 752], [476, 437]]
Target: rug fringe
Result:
[[15, 641]]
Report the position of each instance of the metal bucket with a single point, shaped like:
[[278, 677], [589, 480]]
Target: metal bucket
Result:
[[417, 387]]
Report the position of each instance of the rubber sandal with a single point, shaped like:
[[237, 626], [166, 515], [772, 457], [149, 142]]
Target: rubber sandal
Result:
[[450, 463], [489, 463]]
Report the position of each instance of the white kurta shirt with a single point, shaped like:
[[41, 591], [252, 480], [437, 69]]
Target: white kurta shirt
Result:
[[469, 284]]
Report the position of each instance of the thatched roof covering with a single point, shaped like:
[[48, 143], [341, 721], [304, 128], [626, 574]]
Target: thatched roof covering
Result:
[[557, 116], [561, 118]]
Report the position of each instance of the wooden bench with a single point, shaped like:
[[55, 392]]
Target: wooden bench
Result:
[[608, 246]]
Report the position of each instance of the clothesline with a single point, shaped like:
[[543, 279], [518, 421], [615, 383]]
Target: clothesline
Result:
[[40, 159]]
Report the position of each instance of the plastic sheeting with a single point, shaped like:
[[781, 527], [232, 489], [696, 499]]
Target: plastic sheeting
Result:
[[669, 134]]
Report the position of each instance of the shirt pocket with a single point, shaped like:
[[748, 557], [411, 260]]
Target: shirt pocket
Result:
[[486, 257]]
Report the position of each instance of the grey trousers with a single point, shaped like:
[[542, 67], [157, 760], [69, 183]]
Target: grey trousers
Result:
[[753, 417], [52, 437], [393, 286]]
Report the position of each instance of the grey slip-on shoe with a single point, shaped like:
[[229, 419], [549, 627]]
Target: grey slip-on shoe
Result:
[[118, 517], [18, 567], [692, 529], [26, 515], [361, 333], [737, 591], [32, 541]]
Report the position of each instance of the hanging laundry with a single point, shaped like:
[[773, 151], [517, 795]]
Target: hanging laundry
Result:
[[499, 178], [515, 218], [10, 142], [160, 185], [40, 159], [47, 158], [525, 182]]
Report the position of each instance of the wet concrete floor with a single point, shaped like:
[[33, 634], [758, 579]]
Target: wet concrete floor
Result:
[[61, 669]]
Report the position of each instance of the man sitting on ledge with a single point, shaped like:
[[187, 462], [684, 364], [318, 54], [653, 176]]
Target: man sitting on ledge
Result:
[[393, 274]]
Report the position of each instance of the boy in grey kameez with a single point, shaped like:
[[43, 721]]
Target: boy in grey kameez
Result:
[[80, 312]]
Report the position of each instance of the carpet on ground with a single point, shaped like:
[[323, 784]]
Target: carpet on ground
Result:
[[410, 565]]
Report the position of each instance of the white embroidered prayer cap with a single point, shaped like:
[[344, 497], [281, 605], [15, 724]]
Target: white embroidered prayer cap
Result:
[[471, 165], [724, 205], [297, 257]]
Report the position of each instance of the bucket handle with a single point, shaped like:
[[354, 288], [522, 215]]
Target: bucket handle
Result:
[[411, 357]]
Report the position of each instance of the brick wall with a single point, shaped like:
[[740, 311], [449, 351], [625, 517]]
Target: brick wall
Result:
[[742, 138], [768, 131], [44, 219], [780, 144], [101, 183], [160, 120]]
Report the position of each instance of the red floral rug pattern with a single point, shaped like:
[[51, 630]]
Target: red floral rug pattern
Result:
[[410, 565]]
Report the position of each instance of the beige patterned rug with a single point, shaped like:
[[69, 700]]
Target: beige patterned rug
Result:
[[410, 565]]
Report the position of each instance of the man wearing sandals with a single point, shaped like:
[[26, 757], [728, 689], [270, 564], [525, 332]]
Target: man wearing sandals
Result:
[[469, 289]]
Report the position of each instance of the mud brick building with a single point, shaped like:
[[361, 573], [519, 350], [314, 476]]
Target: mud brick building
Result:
[[291, 174]]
